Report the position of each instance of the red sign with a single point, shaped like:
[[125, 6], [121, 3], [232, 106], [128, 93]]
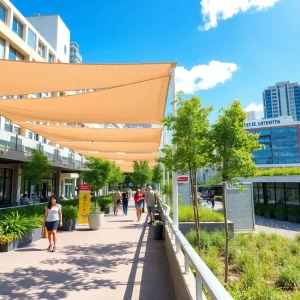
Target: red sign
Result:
[[183, 178], [84, 187]]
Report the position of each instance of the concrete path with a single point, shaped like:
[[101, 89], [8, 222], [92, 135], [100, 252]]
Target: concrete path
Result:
[[120, 261]]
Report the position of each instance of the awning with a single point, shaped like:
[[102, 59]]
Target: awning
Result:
[[140, 103], [113, 147], [118, 156], [25, 77], [80, 134]]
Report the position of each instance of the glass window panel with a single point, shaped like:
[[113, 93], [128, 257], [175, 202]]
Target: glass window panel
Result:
[[260, 185], [18, 27], [51, 58], [279, 185], [292, 196], [2, 172], [7, 191], [31, 38], [9, 172], [280, 196], [42, 50], [2, 48], [2, 13], [270, 195], [270, 185]]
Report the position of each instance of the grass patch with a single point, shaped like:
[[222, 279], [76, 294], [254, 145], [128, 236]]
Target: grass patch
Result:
[[262, 266], [186, 214]]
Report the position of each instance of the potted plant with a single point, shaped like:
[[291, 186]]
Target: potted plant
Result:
[[293, 214], [269, 211], [158, 230], [96, 218], [280, 213], [70, 214], [105, 204]]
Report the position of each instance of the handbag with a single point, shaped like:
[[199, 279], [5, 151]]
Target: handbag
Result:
[[44, 232], [119, 202]]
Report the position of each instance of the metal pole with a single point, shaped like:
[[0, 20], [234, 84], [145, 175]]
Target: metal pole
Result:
[[164, 181], [174, 174], [168, 181]]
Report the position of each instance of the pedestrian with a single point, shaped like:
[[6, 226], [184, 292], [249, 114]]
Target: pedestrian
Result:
[[24, 200], [125, 198], [117, 201], [138, 199], [150, 200], [212, 199], [52, 219], [130, 194]]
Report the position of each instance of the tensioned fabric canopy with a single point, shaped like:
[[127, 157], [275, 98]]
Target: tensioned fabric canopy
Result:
[[118, 156], [26, 77], [130, 164], [80, 134], [138, 103], [113, 147]]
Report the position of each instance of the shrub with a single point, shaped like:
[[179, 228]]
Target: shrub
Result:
[[105, 201], [69, 212], [288, 277], [278, 172], [293, 211], [294, 248], [259, 208], [73, 202], [5, 239], [219, 198], [280, 210]]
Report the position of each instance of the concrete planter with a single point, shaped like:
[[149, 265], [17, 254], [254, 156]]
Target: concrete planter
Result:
[[32, 237], [108, 210], [280, 218], [293, 219], [184, 227], [74, 222], [67, 225], [158, 232], [96, 221]]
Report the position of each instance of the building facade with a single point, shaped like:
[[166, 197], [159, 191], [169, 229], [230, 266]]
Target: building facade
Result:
[[282, 100], [281, 140], [21, 39], [75, 57]]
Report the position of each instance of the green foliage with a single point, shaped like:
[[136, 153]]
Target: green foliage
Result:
[[5, 239], [141, 172], [116, 176], [278, 172], [158, 223], [37, 165], [69, 212], [167, 189], [289, 277], [166, 158], [293, 211], [218, 198], [215, 179], [186, 214], [73, 202], [157, 175], [105, 201], [97, 172]]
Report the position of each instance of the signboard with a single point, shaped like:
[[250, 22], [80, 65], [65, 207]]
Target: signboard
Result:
[[84, 203], [183, 179], [84, 187]]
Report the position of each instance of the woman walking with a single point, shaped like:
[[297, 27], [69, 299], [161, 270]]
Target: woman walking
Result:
[[52, 219], [125, 198], [117, 201], [138, 199]]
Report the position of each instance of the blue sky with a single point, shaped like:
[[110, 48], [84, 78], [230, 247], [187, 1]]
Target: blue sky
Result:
[[251, 49]]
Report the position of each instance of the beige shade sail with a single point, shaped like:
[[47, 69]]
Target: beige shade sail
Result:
[[113, 147], [24, 77], [124, 157], [130, 164], [80, 134], [140, 103]]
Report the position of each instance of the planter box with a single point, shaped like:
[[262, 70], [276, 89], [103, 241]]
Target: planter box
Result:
[[74, 222], [293, 219], [34, 236], [158, 232], [108, 210], [268, 215], [96, 221], [67, 225], [102, 208], [184, 227]]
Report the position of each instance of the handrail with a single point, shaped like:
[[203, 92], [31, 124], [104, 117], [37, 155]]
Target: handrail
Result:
[[203, 274]]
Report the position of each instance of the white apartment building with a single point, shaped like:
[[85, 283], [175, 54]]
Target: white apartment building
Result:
[[43, 39], [252, 115]]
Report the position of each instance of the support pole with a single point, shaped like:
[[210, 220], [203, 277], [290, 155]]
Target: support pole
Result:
[[164, 181], [174, 174], [168, 181]]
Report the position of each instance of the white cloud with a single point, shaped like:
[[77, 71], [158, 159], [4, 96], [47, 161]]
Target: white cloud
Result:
[[215, 10], [254, 107], [203, 77]]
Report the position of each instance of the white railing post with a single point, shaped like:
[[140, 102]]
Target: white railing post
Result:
[[186, 263], [177, 244], [198, 287]]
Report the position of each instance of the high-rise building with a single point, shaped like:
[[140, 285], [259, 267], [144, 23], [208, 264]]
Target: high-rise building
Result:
[[282, 100], [75, 57], [252, 115]]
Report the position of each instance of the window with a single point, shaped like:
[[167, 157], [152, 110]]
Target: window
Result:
[[30, 135], [2, 13], [31, 38], [51, 58], [15, 54], [5, 186], [18, 27], [2, 48], [42, 50], [65, 49]]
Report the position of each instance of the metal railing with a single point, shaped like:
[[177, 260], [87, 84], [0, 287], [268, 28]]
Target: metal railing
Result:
[[204, 276]]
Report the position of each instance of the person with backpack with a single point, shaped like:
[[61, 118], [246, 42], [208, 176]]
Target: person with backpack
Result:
[[212, 199]]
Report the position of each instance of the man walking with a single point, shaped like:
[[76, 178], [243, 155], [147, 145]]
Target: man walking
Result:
[[150, 200]]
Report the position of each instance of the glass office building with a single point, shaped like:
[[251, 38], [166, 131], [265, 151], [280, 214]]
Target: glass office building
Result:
[[280, 138]]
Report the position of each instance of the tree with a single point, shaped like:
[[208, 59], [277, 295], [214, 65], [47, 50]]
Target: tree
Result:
[[97, 173], [157, 175], [190, 135], [116, 176], [215, 179], [34, 170], [233, 155], [141, 173]]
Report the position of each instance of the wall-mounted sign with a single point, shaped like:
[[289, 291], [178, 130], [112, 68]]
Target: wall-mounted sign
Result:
[[183, 179], [84, 187], [262, 123]]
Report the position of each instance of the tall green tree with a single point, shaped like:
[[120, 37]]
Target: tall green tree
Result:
[[233, 155], [157, 175], [142, 173], [97, 173], [36, 167], [190, 134], [116, 176]]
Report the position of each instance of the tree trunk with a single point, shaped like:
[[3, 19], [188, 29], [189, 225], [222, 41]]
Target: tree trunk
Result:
[[226, 234], [195, 205]]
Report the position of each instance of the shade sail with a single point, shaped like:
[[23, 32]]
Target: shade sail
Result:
[[124, 157], [81, 134], [130, 163], [141, 103], [113, 147], [24, 77]]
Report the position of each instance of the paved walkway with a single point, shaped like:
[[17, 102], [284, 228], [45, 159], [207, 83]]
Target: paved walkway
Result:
[[121, 261]]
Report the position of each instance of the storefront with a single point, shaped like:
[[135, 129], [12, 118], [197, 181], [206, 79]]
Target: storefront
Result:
[[6, 177]]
